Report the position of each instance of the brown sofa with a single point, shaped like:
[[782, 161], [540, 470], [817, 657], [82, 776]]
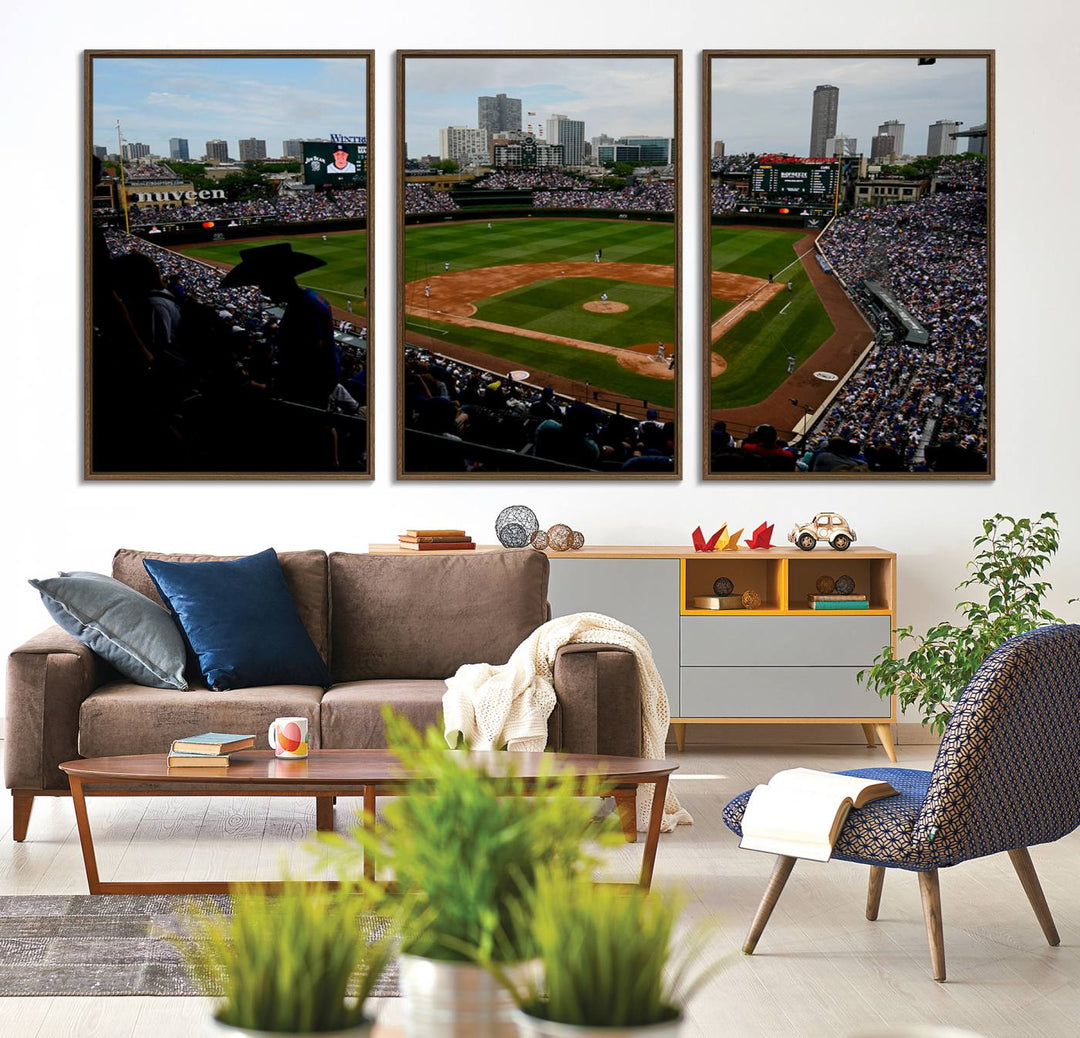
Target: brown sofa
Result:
[[390, 628]]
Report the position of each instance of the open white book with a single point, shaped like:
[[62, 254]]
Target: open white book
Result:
[[801, 811]]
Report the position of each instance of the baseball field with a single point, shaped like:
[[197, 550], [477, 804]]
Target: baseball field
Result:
[[530, 293], [343, 278]]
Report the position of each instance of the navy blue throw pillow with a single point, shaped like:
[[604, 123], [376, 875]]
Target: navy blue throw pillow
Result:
[[241, 621]]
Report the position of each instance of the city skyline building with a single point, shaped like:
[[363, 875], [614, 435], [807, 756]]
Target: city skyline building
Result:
[[895, 129], [217, 150], [883, 148], [252, 149], [718, 149], [134, 151], [465, 145], [498, 114], [570, 133], [939, 140], [178, 149], [823, 114], [842, 145], [292, 148]]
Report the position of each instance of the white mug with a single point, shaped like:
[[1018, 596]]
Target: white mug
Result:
[[288, 737]]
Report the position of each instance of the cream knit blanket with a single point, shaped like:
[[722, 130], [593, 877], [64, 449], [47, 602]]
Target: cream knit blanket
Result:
[[493, 706]]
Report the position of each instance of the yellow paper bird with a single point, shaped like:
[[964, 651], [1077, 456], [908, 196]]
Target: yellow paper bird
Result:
[[733, 541]]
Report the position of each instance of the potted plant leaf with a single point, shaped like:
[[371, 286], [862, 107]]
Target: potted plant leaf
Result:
[[607, 966], [465, 849], [298, 962], [1010, 557]]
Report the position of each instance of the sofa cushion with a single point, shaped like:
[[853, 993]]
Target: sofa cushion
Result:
[[352, 712], [304, 572], [122, 718], [396, 616]]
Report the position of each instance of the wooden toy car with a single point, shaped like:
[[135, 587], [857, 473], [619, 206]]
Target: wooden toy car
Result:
[[825, 526]]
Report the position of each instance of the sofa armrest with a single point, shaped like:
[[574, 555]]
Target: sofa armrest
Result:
[[47, 680], [599, 699]]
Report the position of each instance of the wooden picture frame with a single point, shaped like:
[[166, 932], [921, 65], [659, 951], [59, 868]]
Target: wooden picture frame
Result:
[[428, 446], [206, 383], [832, 435]]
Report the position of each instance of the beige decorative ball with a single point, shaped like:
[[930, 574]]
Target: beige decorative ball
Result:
[[539, 540], [577, 542], [825, 585], [751, 599]]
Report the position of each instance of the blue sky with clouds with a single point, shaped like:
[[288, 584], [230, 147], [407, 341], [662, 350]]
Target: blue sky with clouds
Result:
[[764, 104], [614, 95], [205, 98]]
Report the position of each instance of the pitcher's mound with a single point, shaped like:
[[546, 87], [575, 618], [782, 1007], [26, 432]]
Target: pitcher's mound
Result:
[[598, 306]]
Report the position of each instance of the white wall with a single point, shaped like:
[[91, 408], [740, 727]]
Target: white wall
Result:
[[54, 520]]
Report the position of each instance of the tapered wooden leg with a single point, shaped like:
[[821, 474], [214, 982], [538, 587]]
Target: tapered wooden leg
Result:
[[871, 739], [626, 805], [86, 837], [652, 836], [680, 736], [1033, 888], [21, 806], [781, 871], [873, 892], [884, 732], [324, 814], [369, 822], [931, 906]]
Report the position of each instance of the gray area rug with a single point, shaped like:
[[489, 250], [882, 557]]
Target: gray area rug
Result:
[[109, 944]]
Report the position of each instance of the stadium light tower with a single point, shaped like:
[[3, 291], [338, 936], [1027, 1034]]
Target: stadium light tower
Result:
[[123, 182]]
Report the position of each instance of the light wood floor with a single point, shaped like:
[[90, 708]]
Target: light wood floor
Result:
[[820, 968]]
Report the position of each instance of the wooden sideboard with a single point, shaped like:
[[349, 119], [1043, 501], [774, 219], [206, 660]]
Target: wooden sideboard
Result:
[[780, 663]]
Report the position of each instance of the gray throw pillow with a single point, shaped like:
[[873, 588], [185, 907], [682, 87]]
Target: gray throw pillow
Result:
[[136, 635]]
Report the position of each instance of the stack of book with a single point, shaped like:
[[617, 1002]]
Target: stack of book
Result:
[[209, 750], [435, 540], [838, 601]]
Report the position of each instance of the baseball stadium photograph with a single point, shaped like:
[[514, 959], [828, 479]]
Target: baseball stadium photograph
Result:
[[848, 264], [228, 263], [539, 264]]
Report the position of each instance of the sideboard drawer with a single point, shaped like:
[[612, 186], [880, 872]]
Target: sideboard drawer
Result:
[[778, 692], [783, 641]]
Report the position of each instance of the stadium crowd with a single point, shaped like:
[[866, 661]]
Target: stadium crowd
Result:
[[286, 207], [420, 198], [466, 411], [657, 196], [724, 199], [527, 180]]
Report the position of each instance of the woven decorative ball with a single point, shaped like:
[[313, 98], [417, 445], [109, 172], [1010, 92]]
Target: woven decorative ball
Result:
[[751, 599], [515, 526], [825, 585], [723, 586], [560, 537], [539, 540], [845, 585], [577, 542]]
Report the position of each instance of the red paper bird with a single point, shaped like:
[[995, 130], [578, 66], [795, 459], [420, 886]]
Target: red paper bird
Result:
[[700, 544], [762, 537]]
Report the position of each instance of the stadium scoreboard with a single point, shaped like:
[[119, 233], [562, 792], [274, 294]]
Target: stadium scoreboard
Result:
[[334, 164], [793, 178]]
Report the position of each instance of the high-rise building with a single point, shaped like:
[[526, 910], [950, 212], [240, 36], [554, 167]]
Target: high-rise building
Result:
[[883, 148], [178, 149], [652, 149], [570, 133], [842, 145], [895, 129], [252, 149], [939, 141], [217, 150], [466, 145], [823, 117], [100, 151], [292, 149], [717, 149], [498, 114], [977, 140], [131, 152]]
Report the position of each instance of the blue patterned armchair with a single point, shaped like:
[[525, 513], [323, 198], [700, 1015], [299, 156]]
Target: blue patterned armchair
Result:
[[1006, 777]]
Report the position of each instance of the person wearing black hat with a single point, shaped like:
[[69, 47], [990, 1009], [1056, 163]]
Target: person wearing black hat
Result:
[[307, 366], [341, 163]]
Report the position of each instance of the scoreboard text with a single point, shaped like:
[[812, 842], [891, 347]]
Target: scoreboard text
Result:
[[807, 181]]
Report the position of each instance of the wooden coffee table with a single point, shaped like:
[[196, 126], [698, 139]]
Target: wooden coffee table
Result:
[[327, 774]]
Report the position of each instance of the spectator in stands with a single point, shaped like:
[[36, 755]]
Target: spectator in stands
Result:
[[570, 440]]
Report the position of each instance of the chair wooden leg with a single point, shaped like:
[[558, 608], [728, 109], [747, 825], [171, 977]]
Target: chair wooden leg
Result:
[[324, 814], [873, 892], [21, 806], [1021, 860], [871, 739], [626, 807], [931, 906], [680, 736], [781, 871]]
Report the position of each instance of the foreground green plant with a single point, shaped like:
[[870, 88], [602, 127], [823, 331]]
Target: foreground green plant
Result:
[[465, 847], [1010, 556], [607, 956], [286, 961]]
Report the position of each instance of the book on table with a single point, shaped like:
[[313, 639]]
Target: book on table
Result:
[[197, 760], [453, 534], [212, 744], [800, 812], [437, 545], [438, 538]]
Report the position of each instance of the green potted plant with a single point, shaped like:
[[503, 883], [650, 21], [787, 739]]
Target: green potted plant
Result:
[[606, 960], [1010, 556], [297, 962], [465, 849]]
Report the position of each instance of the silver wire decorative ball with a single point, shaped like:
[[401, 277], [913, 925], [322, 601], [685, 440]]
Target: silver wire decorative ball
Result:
[[515, 526]]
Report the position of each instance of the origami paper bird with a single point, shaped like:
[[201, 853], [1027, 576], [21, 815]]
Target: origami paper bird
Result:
[[700, 544], [733, 541], [762, 536]]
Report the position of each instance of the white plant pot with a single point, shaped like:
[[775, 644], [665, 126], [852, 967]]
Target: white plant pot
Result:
[[361, 1030], [534, 1027], [452, 1000]]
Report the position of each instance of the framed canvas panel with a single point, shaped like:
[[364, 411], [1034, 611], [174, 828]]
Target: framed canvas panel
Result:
[[228, 228], [848, 264], [538, 264]]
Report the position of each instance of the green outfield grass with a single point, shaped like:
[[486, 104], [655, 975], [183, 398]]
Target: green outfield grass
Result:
[[556, 306], [601, 370], [345, 252], [755, 251], [531, 240]]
